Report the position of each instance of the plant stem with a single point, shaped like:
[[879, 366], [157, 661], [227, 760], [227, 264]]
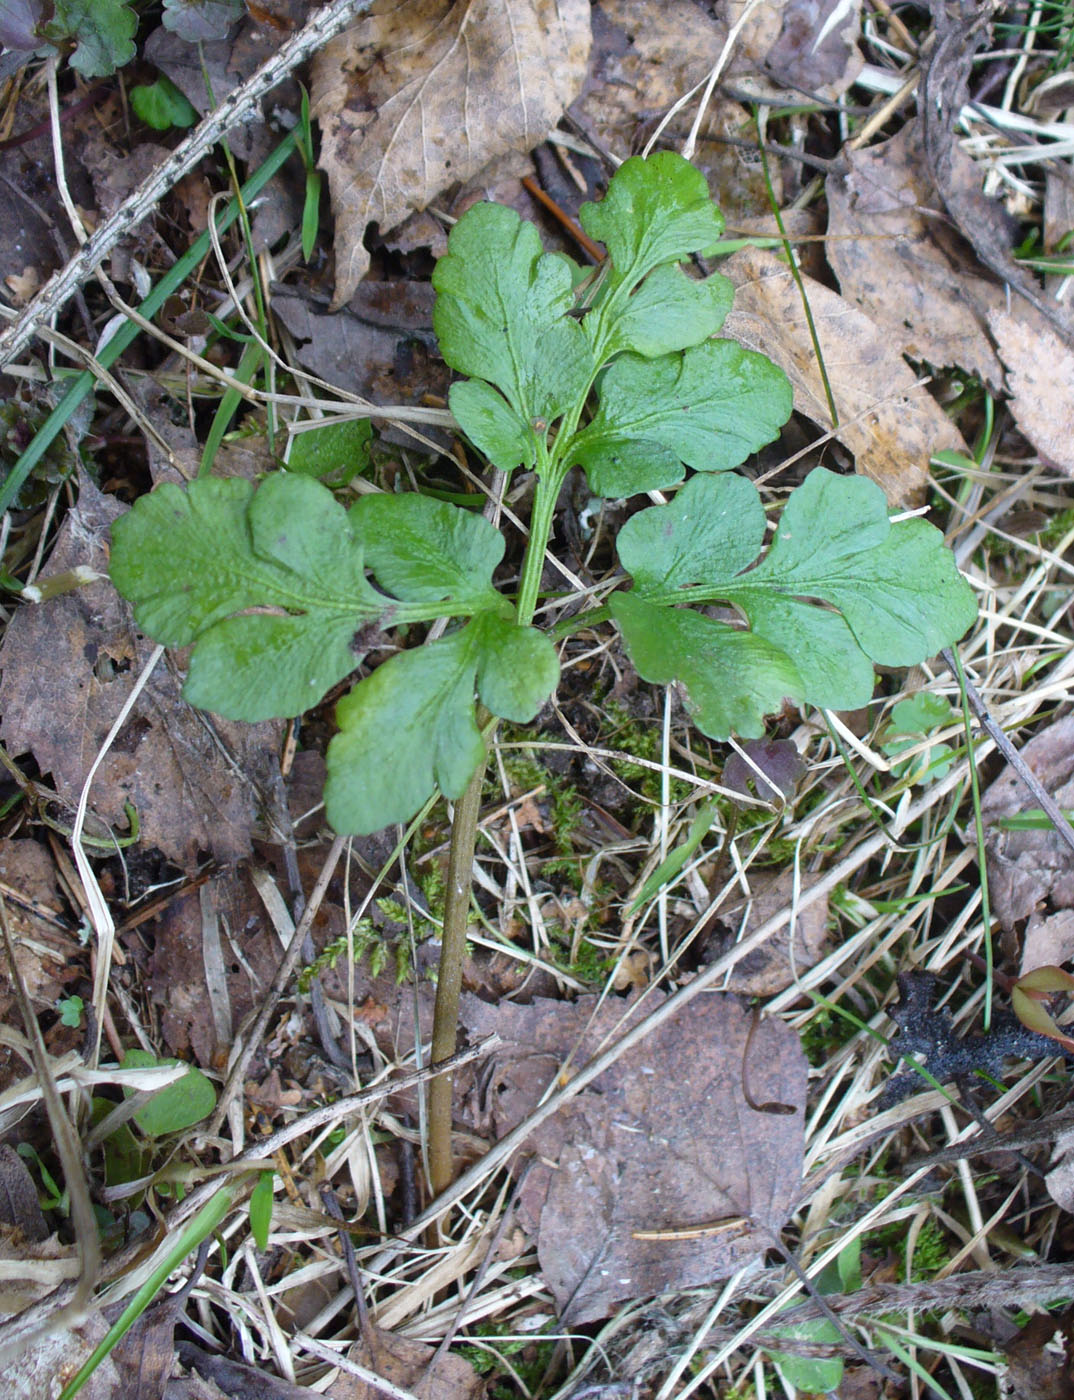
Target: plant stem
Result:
[[449, 975], [461, 855], [544, 505]]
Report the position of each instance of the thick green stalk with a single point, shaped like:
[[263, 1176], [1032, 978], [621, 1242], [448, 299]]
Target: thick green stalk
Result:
[[544, 505], [461, 859], [449, 973]]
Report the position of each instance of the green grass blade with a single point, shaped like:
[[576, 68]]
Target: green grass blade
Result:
[[193, 1232], [169, 283], [251, 360]]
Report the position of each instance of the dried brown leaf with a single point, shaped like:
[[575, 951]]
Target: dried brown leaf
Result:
[[1025, 868], [663, 1141], [959, 32], [359, 351], [1049, 939], [1060, 1179], [1040, 375], [1040, 1359], [888, 421], [404, 1362], [773, 966], [19, 1205], [42, 950], [646, 56], [180, 968], [422, 94], [817, 50], [896, 260], [196, 782]]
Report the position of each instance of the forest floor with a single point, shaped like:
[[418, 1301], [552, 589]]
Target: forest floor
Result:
[[762, 1083]]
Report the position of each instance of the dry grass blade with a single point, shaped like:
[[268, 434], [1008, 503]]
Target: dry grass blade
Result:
[[14, 1339]]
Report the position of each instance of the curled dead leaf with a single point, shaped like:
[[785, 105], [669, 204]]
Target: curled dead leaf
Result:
[[422, 94], [1040, 375], [886, 419]]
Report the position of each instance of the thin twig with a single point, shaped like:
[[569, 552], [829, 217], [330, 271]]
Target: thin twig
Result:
[[234, 109], [1048, 804]]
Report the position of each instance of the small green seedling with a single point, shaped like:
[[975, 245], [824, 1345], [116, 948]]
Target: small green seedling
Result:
[[815, 1375], [910, 720], [261, 1200], [282, 591], [161, 105], [71, 1010]]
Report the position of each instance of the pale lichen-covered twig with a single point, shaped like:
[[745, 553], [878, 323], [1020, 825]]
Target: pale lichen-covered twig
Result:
[[235, 108]]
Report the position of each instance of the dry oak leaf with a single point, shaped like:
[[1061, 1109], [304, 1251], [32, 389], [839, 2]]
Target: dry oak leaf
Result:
[[422, 94], [817, 50], [896, 258], [196, 782], [886, 419], [1040, 377], [1028, 868], [665, 1140]]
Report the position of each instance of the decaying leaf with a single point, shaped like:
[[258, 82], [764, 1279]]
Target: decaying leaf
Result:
[[422, 94], [1027, 867], [646, 56], [1060, 1179], [404, 1363], [1040, 376], [776, 963], [959, 32], [648, 1148], [1049, 940], [889, 422], [897, 260], [202, 990], [42, 949], [69, 665], [1040, 1358], [817, 50], [362, 354]]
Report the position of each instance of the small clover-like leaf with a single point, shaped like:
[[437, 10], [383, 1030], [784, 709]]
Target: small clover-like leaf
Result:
[[711, 524], [501, 314], [492, 425], [896, 584], [708, 408], [410, 727], [103, 31], [841, 588], [270, 583], [657, 210]]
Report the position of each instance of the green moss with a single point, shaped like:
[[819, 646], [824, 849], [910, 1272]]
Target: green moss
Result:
[[643, 739]]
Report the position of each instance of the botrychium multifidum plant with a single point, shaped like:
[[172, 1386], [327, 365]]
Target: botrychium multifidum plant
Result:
[[282, 590]]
